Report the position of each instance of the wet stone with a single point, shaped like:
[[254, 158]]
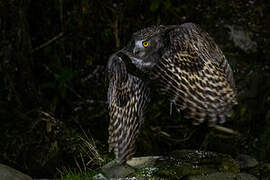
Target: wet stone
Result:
[[181, 164], [246, 161], [8, 173], [222, 176]]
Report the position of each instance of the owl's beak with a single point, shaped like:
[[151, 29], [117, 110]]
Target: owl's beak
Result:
[[137, 52]]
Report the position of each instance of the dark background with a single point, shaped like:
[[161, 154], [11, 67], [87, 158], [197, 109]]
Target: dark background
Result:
[[53, 90]]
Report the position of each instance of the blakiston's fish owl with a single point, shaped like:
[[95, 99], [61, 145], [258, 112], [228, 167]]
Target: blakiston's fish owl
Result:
[[189, 68]]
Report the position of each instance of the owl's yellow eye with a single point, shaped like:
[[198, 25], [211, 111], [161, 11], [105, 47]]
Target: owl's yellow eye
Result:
[[145, 44]]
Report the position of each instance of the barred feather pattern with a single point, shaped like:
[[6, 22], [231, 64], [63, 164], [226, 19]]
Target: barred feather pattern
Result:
[[127, 96], [196, 76]]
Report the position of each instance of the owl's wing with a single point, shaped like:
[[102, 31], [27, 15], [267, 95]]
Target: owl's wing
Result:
[[196, 75], [127, 97]]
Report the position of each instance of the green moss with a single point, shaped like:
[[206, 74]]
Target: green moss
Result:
[[189, 162]]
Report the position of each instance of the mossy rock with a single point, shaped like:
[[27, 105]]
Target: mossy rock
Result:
[[180, 164], [222, 176], [114, 170], [191, 162], [262, 171]]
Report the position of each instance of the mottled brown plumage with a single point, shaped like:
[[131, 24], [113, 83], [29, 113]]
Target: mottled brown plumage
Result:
[[189, 68], [196, 76], [127, 98]]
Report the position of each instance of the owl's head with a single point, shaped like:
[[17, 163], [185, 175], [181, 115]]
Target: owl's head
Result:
[[146, 47]]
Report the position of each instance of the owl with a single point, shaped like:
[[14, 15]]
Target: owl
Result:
[[188, 67]]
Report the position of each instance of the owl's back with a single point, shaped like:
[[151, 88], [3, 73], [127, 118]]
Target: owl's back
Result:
[[196, 76]]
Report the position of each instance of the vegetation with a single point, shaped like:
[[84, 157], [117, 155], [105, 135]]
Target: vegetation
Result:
[[53, 58]]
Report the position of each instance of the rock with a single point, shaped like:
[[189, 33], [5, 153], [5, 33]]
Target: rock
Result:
[[143, 162], [8, 173], [222, 176], [99, 176], [114, 170], [193, 162], [245, 176], [262, 171], [181, 164], [246, 161], [140, 164]]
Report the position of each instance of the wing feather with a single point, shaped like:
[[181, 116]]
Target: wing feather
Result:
[[196, 75], [127, 96]]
